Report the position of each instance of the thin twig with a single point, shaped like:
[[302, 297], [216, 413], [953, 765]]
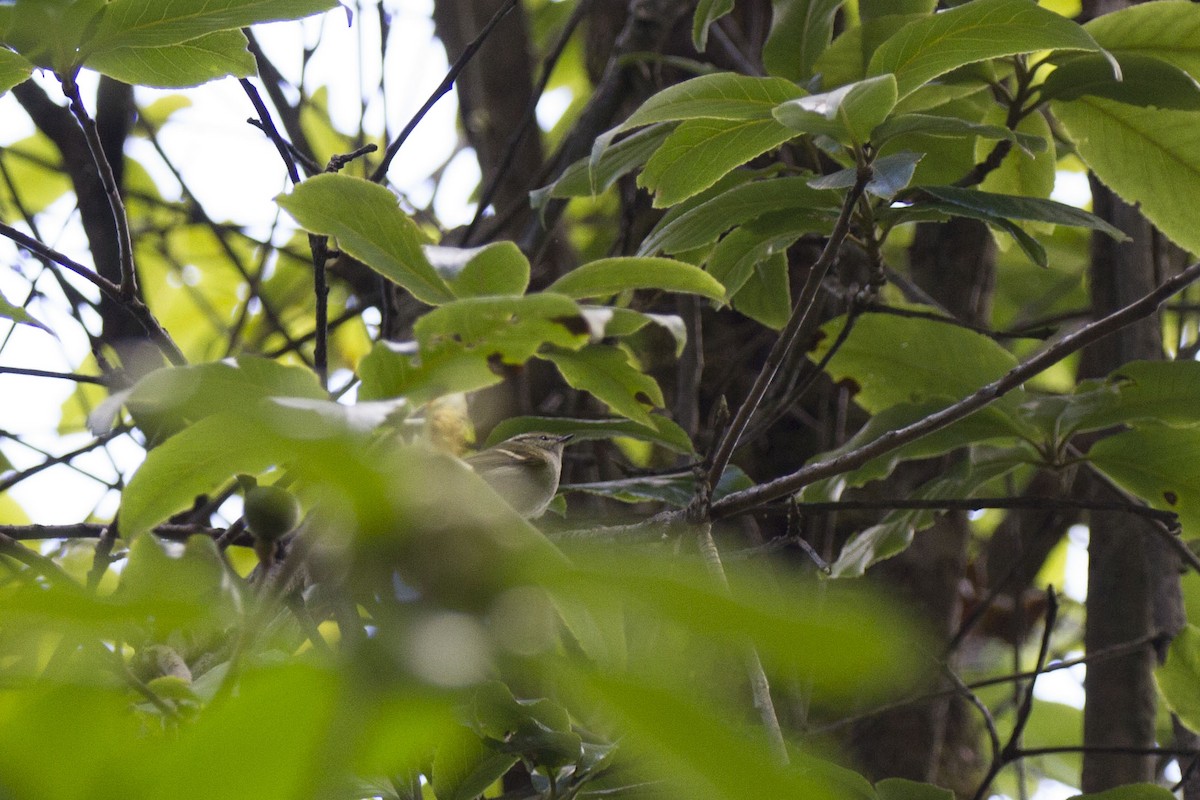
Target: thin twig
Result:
[[789, 336], [42, 373], [1169, 518], [527, 118], [747, 499], [133, 305], [128, 287], [451, 76], [760, 688]]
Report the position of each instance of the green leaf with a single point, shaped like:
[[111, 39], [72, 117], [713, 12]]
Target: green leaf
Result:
[[952, 128], [895, 532], [586, 177], [977, 31], [1178, 679], [848, 114], [153, 23], [609, 276], [189, 63], [1010, 207], [605, 372], [735, 257], [169, 399], [1150, 159], [369, 225], [1156, 464], [608, 321], [1025, 174], [766, 295], [700, 151], [499, 268], [395, 370], [464, 766], [893, 359], [873, 9], [1169, 31], [800, 32], [846, 60], [988, 425], [1144, 81], [663, 431], [20, 315], [891, 174], [48, 32], [1159, 392], [248, 440], [680, 592], [707, 221], [721, 95], [510, 328], [14, 69], [902, 789], [707, 12]]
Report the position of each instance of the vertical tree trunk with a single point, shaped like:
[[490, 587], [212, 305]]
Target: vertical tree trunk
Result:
[[1133, 577]]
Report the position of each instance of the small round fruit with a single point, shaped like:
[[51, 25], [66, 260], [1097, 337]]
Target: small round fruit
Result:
[[271, 513]]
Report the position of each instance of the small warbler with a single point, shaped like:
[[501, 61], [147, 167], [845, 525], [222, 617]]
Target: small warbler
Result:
[[524, 470]]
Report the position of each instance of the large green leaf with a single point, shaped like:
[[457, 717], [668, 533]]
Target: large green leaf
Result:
[[893, 359], [1150, 159], [1156, 463], [48, 32], [845, 61], [1166, 30], [395, 370], [766, 295], [997, 207], [499, 268], [1160, 392], [735, 257], [605, 372], [588, 177], [155, 23], [189, 63], [609, 276], [700, 151], [464, 766], [953, 128], [14, 69], [721, 95], [800, 32], [847, 114], [977, 31], [1144, 81], [707, 221], [510, 328], [1021, 173], [1178, 679], [369, 225]]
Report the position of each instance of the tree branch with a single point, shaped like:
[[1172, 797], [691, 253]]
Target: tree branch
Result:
[[780, 487]]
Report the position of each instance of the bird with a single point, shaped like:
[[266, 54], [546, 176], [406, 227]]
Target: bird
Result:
[[524, 470]]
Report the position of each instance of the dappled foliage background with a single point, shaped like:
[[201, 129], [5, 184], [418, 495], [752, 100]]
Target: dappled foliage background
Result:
[[841, 373]]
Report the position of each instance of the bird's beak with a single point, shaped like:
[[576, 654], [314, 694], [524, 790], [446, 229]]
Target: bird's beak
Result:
[[566, 437]]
